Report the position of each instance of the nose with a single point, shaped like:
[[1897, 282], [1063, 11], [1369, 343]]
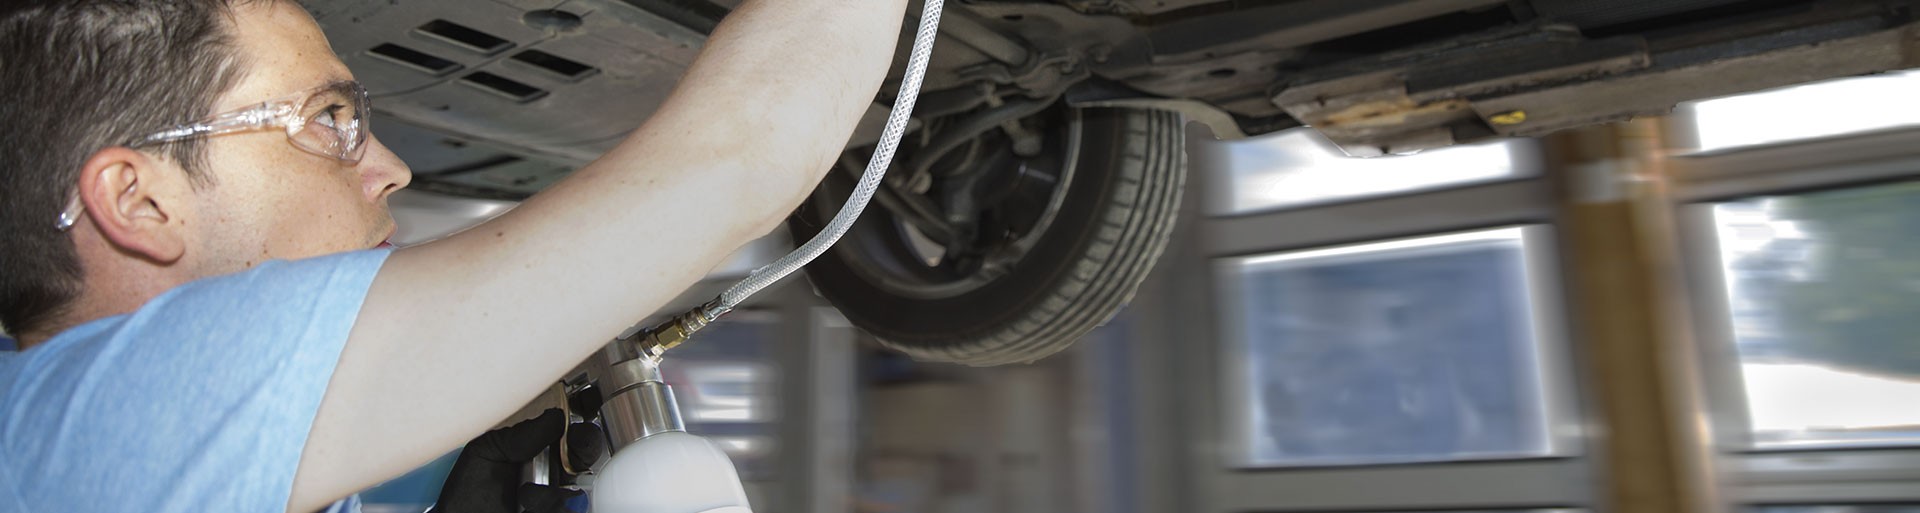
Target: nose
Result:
[[382, 172]]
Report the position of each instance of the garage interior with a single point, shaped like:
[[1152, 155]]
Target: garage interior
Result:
[[1707, 311], [1711, 310]]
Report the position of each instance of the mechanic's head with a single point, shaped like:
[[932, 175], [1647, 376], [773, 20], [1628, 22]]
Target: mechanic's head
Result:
[[88, 84]]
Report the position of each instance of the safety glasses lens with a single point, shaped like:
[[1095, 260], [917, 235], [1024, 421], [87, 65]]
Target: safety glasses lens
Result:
[[333, 122]]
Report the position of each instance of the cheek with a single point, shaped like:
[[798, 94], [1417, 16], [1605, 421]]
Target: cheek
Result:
[[320, 217], [280, 204], [235, 230], [295, 218]]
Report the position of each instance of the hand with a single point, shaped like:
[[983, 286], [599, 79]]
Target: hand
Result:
[[486, 476]]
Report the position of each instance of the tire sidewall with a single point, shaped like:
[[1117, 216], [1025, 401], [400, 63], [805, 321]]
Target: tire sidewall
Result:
[[945, 325]]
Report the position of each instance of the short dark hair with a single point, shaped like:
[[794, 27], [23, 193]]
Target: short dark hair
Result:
[[78, 76]]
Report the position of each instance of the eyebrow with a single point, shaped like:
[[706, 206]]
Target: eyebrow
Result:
[[329, 80]]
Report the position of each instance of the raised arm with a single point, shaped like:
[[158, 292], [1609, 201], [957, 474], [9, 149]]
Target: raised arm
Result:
[[458, 333]]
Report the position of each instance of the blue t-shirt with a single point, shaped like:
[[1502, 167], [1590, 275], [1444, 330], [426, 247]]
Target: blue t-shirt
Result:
[[201, 400]]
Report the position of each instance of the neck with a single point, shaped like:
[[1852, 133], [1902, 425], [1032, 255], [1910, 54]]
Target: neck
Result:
[[115, 283], [99, 301]]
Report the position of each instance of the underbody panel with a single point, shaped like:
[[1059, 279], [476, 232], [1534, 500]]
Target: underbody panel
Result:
[[504, 96]]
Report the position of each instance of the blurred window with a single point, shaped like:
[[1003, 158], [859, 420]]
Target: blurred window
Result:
[[726, 391], [1824, 301], [1497, 511], [726, 387], [1820, 109], [1860, 508], [1299, 167], [1403, 351]]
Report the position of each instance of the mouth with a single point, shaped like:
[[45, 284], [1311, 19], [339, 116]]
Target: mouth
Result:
[[387, 242]]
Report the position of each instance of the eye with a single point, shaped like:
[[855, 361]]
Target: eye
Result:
[[330, 117]]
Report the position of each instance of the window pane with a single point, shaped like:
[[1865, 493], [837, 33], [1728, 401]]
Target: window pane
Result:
[[1299, 167], [725, 386], [1824, 295], [1402, 351], [1814, 110]]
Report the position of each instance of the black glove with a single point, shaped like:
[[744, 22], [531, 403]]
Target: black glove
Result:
[[486, 476]]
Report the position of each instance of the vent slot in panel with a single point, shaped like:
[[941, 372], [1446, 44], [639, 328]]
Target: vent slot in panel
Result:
[[569, 68], [511, 89], [463, 36], [413, 59], [700, 15]]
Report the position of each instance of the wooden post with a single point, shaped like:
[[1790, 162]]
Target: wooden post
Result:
[[1650, 445]]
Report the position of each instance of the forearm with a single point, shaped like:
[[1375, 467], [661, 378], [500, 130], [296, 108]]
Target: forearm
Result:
[[773, 97], [800, 73], [458, 333]]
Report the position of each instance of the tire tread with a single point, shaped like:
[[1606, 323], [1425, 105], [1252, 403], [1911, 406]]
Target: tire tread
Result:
[[1108, 272]]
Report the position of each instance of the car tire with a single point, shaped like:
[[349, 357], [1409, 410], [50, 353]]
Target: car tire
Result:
[[1111, 225]]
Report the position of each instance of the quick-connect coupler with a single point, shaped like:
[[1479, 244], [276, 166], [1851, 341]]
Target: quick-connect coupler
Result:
[[655, 341]]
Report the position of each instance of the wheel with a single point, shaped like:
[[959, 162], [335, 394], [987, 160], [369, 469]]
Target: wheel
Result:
[[992, 257]]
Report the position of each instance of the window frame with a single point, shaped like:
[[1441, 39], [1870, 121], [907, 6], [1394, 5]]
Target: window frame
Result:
[[1559, 424], [1201, 395], [1211, 483], [1797, 475], [1217, 203]]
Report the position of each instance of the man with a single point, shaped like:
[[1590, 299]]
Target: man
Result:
[[171, 170]]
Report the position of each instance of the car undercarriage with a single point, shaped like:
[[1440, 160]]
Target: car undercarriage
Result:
[[1042, 172]]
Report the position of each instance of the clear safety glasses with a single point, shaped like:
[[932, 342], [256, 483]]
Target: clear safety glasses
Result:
[[329, 121]]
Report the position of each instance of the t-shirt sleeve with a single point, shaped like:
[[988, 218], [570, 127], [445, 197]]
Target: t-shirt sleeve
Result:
[[201, 400]]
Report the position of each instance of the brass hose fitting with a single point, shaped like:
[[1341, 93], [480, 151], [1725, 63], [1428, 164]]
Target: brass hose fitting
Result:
[[654, 342]]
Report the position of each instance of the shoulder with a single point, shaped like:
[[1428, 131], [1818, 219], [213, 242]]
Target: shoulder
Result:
[[266, 289], [204, 396], [215, 323]]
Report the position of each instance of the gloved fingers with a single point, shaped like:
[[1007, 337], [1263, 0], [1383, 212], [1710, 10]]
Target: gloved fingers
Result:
[[477, 486], [520, 442], [584, 444], [545, 499], [585, 402]]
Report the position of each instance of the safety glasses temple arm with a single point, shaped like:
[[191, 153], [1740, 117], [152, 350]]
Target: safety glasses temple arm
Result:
[[273, 113]]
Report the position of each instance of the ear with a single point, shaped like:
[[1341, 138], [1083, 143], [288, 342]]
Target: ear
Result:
[[134, 201]]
